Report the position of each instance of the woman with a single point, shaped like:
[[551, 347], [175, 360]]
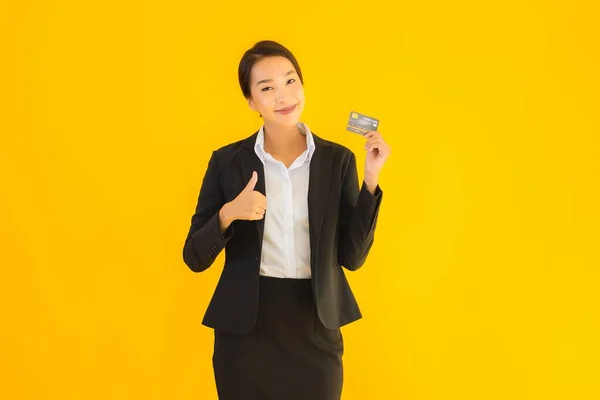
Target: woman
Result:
[[286, 206]]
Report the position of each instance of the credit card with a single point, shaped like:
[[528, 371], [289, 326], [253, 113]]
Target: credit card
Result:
[[360, 123]]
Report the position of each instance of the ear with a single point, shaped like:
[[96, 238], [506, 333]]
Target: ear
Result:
[[251, 104]]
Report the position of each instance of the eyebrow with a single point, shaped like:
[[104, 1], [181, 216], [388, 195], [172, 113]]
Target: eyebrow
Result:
[[271, 80]]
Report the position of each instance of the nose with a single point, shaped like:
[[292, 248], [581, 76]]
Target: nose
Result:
[[284, 95]]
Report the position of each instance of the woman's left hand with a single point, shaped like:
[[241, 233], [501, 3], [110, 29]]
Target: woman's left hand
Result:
[[378, 152]]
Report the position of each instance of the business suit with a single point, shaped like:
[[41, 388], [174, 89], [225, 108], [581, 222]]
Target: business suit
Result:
[[342, 222], [280, 338]]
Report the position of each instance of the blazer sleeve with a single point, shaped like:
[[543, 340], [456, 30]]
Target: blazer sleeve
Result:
[[204, 241], [359, 210]]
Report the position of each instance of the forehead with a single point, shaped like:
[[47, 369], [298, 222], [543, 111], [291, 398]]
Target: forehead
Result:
[[270, 67]]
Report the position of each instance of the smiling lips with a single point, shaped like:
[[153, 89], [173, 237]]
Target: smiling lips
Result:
[[287, 110]]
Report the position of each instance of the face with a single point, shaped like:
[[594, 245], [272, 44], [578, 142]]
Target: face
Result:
[[274, 86]]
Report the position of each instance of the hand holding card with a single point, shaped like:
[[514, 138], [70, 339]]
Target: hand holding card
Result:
[[377, 149], [378, 152]]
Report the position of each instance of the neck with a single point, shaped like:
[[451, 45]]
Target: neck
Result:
[[281, 140]]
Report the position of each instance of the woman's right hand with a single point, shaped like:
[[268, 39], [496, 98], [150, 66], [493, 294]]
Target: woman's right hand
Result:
[[249, 205]]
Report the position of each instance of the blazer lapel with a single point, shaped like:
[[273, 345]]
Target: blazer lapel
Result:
[[249, 163], [318, 191]]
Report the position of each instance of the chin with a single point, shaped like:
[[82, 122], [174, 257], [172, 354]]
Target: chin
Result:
[[288, 122], [285, 120]]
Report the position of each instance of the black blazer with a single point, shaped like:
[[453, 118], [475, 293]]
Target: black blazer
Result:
[[342, 220]]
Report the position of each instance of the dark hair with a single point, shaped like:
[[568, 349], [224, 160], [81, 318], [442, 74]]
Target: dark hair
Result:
[[262, 49]]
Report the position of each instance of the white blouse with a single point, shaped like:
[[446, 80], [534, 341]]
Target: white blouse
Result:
[[286, 240]]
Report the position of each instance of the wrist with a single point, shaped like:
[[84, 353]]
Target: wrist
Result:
[[371, 181], [225, 216]]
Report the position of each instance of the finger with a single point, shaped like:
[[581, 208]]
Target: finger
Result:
[[260, 196], [387, 148], [252, 182], [376, 144], [371, 134], [259, 209], [258, 206], [371, 141], [260, 199], [376, 138], [256, 215], [383, 150]]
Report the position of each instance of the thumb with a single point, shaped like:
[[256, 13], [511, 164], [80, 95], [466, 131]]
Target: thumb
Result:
[[252, 182]]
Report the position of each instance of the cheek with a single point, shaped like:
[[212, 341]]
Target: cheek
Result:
[[262, 100], [299, 93], [266, 101]]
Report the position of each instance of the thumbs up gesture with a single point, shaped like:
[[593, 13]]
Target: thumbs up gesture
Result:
[[248, 205]]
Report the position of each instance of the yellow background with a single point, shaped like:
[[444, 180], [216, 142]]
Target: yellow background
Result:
[[483, 281]]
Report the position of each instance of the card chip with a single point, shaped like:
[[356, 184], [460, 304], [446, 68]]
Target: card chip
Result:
[[360, 123]]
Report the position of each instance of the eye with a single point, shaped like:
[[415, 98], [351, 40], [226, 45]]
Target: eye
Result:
[[269, 87]]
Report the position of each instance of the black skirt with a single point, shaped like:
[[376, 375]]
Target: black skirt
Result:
[[288, 354]]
